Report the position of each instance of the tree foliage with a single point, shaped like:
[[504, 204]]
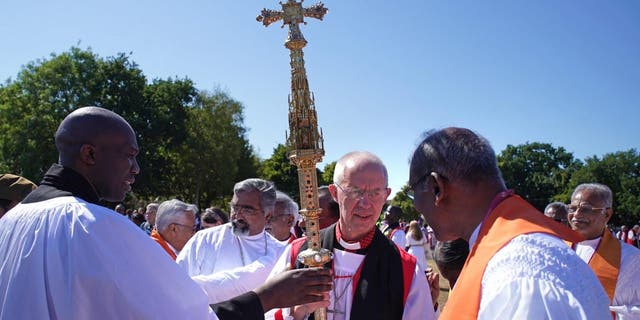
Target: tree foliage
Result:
[[620, 171], [536, 171], [192, 144], [406, 204]]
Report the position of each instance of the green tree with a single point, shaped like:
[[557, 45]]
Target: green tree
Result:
[[192, 145], [406, 204], [278, 169], [327, 174], [216, 153], [537, 171], [620, 171]]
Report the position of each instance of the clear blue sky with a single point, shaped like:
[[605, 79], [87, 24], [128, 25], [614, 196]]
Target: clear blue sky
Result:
[[563, 72]]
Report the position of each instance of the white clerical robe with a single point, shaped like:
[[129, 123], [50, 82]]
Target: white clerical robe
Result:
[[65, 258], [537, 276], [626, 299], [226, 265], [345, 265], [417, 249]]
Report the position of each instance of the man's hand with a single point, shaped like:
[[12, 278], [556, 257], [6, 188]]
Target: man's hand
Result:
[[434, 284], [295, 287]]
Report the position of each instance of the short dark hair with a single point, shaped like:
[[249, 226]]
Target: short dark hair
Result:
[[334, 207], [451, 255], [458, 154], [213, 214]]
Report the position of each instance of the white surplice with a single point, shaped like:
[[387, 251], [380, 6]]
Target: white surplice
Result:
[[226, 265], [345, 265], [537, 276], [65, 258], [627, 294]]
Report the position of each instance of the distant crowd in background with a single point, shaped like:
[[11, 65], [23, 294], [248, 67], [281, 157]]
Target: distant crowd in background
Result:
[[503, 258]]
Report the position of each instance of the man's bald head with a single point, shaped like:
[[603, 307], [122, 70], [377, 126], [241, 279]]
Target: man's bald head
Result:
[[101, 146], [85, 126], [354, 160]]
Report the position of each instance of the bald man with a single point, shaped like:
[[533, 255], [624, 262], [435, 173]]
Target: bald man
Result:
[[373, 277], [64, 256]]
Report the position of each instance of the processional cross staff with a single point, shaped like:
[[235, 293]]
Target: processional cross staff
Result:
[[306, 143]]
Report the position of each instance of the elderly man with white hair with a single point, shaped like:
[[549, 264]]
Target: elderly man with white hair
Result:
[[615, 263], [175, 225], [284, 217]]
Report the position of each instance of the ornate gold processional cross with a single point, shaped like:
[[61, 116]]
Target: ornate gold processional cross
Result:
[[305, 142]]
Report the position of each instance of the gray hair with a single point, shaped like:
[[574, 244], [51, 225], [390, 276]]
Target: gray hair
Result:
[[289, 206], [266, 188], [338, 173], [557, 205], [599, 190], [458, 154], [169, 210], [152, 205]]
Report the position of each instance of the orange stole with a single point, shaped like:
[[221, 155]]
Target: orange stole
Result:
[[605, 263], [158, 238], [511, 218]]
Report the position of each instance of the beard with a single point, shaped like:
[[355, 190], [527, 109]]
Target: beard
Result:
[[240, 228]]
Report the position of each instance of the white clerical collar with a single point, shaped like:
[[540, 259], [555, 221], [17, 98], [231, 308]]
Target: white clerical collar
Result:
[[474, 236], [177, 252], [593, 243], [257, 236], [349, 246]]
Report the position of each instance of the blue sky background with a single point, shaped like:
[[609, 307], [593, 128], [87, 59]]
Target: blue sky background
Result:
[[565, 72]]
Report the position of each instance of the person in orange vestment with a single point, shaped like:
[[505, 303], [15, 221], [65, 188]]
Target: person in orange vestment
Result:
[[175, 225], [615, 263], [518, 266]]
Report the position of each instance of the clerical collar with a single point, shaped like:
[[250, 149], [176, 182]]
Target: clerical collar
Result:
[[363, 243], [61, 181], [593, 243]]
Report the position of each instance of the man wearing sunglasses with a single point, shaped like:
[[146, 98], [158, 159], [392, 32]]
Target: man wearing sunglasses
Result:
[[615, 263], [556, 211]]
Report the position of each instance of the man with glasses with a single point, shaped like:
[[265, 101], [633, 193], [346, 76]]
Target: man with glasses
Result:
[[373, 278], [615, 263], [175, 225], [284, 217], [238, 256], [556, 211], [518, 265]]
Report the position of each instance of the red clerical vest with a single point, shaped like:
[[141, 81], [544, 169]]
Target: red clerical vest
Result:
[[511, 217]]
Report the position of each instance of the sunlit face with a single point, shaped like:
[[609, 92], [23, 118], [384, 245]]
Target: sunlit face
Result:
[[247, 215], [151, 215], [358, 214], [183, 229], [590, 224], [280, 223], [115, 164]]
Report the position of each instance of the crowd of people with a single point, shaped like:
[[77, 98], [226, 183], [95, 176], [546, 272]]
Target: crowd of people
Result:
[[65, 256]]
